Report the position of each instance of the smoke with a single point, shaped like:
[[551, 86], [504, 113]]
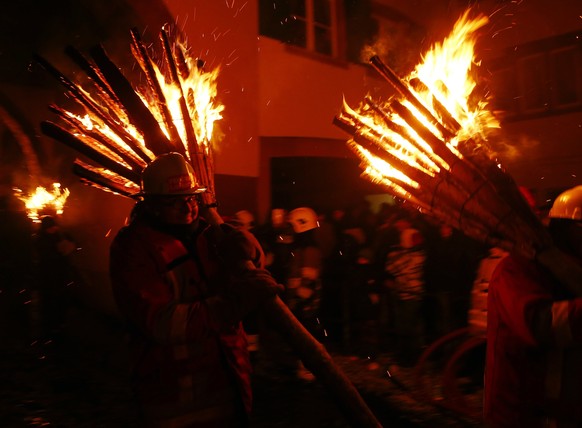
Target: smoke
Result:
[[382, 45], [397, 44], [520, 147]]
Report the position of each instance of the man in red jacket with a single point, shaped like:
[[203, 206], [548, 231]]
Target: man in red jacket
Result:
[[534, 335], [184, 300]]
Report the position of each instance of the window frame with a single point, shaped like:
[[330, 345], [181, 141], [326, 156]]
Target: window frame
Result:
[[545, 54], [311, 25]]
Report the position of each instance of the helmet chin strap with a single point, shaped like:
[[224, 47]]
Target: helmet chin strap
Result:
[[180, 231]]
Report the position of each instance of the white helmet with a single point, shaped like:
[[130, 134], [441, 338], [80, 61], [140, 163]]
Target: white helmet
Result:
[[278, 217], [303, 219], [568, 205], [168, 175]]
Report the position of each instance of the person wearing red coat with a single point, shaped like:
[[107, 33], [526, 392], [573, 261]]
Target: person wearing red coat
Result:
[[175, 282], [533, 373]]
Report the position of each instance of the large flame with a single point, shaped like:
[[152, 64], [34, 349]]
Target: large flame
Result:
[[43, 201], [446, 75], [199, 90], [442, 84]]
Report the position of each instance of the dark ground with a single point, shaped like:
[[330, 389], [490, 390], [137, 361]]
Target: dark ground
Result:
[[79, 380]]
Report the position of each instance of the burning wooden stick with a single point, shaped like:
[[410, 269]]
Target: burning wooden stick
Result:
[[425, 150], [200, 153]]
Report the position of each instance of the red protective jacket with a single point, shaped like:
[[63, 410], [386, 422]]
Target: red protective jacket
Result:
[[533, 374], [189, 351]]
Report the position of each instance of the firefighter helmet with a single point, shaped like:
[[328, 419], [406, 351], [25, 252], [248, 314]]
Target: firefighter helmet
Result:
[[303, 219], [568, 205], [167, 175], [278, 217]]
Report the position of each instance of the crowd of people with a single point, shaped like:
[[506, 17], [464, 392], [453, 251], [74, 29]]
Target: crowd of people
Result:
[[413, 280], [392, 280]]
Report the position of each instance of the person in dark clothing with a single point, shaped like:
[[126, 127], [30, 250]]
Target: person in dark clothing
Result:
[[276, 238], [54, 273], [303, 291], [16, 268], [450, 270], [182, 285], [534, 331]]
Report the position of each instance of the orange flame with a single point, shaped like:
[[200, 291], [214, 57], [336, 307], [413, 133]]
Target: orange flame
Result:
[[443, 84], [43, 200], [199, 89], [446, 73]]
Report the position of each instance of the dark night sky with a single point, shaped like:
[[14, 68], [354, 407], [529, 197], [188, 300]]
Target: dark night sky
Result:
[[46, 27]]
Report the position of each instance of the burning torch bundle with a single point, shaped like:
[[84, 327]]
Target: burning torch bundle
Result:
[[124, 128], [428, 146]]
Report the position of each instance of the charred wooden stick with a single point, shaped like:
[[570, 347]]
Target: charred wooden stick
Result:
[[92, 176], [108, 102], [90, 105], [141, 55], [138, 113], [135, 163], [58, 133], [91, 71], [191, 140], [388, 144], [195, 149]]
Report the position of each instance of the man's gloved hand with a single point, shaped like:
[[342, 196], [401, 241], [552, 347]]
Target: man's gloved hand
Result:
[[252, 288], [249, 289], [256, 284]]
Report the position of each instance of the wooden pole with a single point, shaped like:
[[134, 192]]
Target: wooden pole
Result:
[[313, 354], [316, 358]]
